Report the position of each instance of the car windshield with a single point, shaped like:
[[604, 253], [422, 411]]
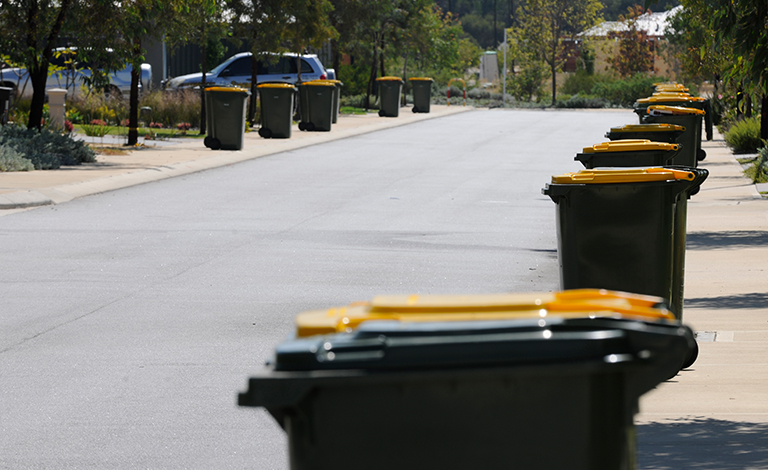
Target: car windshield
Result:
[[220, 67]]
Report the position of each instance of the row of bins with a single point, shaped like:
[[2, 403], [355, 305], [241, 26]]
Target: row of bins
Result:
[[318, 102], [526, 381]]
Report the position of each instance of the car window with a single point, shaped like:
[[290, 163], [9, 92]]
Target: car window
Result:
[[306, 67], [240, 67]]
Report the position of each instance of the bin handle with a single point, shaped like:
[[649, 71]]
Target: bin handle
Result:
[[677, 174]]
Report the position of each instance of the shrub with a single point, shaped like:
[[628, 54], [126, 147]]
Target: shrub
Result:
[[625, 92], [44, 148], [758, 172], [582, 101], [11, 160], [744, 136], [474, 94], [172, 107]]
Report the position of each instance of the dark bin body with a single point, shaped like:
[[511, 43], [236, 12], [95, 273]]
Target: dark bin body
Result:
[[225, 117], [336, 99], [645, 131], [316, 103], [500, 394], [5, 103], [690, 139], [422, 94], [390, 93], [276, 110], [625, 236], [704, 105], [627, 159]]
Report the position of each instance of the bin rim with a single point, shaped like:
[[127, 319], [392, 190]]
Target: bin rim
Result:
[[655, 127], [632, 145], [227, 89], [660, 110], [421, 79], [579, 303], [623, 175], [275, 85], [327, 83], [389, 79], [670, 98]]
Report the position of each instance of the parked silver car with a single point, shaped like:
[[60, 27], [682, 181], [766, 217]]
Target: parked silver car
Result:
[[236, 71], [71, 74]]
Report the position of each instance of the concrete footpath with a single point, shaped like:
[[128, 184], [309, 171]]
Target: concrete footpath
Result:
[[711, 416], [156, 160], [715, 414]]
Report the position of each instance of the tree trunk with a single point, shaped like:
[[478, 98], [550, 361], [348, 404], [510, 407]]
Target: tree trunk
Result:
[[372, 78], [748, 105], [133, 115], [204, 68], [38, 78], [336, 58], [381, 57], [254, 83], [764, 117]]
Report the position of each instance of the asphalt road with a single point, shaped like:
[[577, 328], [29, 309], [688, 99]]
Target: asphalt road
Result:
[[130, 320]]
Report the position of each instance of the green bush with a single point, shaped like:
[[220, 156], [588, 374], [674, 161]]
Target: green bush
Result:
[[744, 136], [580, 82], [11, 160], [625, 92], [758, 172], [46, 149], [172, 108], [581, 101]]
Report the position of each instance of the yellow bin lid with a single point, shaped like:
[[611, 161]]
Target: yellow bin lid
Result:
[[668, 87], [659, 110], [276, 85], [320, 83], [580, 303], [223, 88], [631, 145], [622, 175], [421, 79], [389, 79], [657, 127], [666, 98]]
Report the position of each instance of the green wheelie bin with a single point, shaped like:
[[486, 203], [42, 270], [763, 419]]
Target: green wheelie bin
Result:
[[316, 103], [225, 117], [629, 153], [454, 382], [690, 118], [390, 92], [276, 109], [624, 229], [422, 93], [669, 133], [669, 98]]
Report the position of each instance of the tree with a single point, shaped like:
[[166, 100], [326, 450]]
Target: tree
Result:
[[745, 23], [29, 31], [264, 25], [199, 22], [311, 26], [549, 29], [635, 50]]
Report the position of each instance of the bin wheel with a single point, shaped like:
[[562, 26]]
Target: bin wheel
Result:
[[701, 154], [302, 126], [212, 143], [381, 113], [691, 358], [265, 132], [415, 109], [310, 127]]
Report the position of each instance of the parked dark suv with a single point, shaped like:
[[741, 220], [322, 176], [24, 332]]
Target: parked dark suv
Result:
[[236, 71]]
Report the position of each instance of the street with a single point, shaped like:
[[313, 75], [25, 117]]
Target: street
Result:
[[130, 320]]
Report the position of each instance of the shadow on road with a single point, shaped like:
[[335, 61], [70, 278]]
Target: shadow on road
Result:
[[750, 301], [703, 443], [726, 240]]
